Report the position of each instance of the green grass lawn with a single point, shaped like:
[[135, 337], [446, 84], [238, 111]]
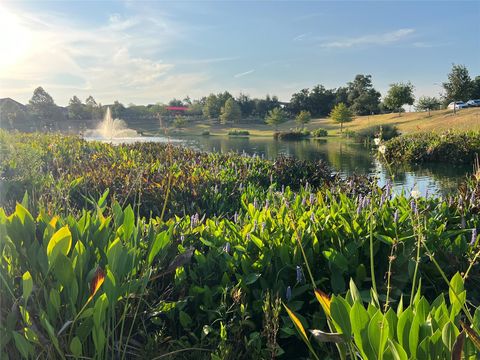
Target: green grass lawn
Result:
[[412, 122]]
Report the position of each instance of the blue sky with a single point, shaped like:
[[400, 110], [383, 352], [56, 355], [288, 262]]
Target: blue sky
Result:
[[146, 52]]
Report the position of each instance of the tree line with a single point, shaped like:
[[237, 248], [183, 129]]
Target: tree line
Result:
[[358, 96]]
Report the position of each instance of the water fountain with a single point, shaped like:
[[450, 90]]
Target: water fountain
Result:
[[110, 129]]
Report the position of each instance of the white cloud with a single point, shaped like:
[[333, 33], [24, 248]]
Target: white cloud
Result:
[[243, 73], [376, 39], [117, 60], [300, 37]]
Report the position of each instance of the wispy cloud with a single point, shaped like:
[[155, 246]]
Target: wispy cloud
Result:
[[300, 37], [116, 60], [209, 60], [243, 73], [376, 39]]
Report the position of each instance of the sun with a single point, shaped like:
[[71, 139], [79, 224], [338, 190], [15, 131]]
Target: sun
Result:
[[15, 39]]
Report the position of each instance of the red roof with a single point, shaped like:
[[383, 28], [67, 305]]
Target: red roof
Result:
[[177, 108]]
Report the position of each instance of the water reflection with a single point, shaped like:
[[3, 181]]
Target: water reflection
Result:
[[344, 157]]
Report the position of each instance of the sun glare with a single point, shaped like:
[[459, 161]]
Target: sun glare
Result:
[[15, 39]]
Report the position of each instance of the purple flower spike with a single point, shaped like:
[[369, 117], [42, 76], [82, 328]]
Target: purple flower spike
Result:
[[299, 274], [288, 294], [474, 236]]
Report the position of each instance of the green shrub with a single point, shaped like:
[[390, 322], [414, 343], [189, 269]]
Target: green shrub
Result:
[[320, 132], [238, 133], [449, 147], [205, 133], [383, 132], [291, 135]]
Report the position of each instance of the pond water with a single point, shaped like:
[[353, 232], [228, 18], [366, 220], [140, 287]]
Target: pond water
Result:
[[345, 157]]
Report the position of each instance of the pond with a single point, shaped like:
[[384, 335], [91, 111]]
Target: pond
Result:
[[345, 157]]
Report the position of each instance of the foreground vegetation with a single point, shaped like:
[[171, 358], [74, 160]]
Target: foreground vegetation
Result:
[[88, 272], [448, 147]]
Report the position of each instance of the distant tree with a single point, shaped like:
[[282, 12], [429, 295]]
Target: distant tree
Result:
[[263, 106], [300, 101], [362, 98], [341, 95], [90, 101], [179, 122], [175, 102], [95, 110], [212, 107], [427, 103], [398, 95], [247, 105], [117, 109], [44, 109], [341, 114], [187, 101], [276, 116], [303, 118], [476, 88], [459, 84], [231, 112], [76, 109]]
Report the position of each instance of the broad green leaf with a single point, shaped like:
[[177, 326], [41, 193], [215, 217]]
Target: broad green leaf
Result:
[[99, 310], [60, 243], [359, 320], [449, 335], [160, 242], [63, 270], [251, 278], [378, 333], [76, 347], [27, 285], [340, 310], [403, 328], [397, 351], [456, 294], [22, 345], [185, 320]]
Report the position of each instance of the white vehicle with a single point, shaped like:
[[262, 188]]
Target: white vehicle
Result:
[[457, 105], [473, 103]]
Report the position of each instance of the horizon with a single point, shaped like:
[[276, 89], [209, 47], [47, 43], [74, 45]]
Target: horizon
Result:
[[145, 53]]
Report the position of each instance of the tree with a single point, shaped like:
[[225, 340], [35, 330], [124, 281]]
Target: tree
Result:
[[459, 85], [341, 114], [43, 107], [179, 121], [117, 110], [303, 118], [398, 95], [77, 110], [427, 103], [362, 98], [247, 105], [211, 109], [476, 88], [276, 116], [231, 112], [175, 102]]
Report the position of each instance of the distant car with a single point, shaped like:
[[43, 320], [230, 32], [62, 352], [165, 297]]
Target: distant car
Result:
[[457, 105], [473, 103]]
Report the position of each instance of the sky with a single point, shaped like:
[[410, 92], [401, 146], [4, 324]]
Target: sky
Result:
[[144, 52]]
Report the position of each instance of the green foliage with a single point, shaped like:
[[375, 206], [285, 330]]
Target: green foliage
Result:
[[398, 95], [231, 112], [291, 135], [422, 330], [276, 117], [341, 114], [238, 133], [449, 147], [361, 96], [303, 118], [383, 132], [179, 122], [319, 132], [427, 103], [459, 85]]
